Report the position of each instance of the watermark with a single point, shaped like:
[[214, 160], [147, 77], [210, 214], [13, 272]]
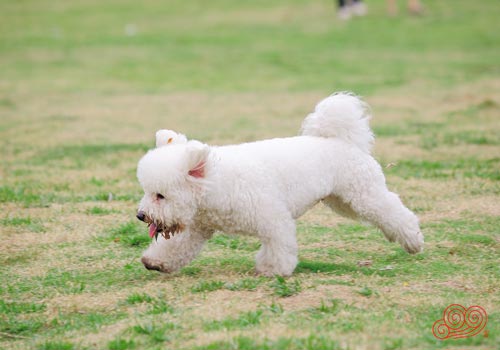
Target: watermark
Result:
[[459, 322]]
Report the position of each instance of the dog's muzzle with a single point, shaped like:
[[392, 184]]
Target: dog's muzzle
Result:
[[156, 227]]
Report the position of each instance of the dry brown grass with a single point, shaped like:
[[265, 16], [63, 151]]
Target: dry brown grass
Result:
[[74, 240]]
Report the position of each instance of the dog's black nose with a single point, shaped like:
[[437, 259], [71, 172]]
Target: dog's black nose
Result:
[[141, 216]]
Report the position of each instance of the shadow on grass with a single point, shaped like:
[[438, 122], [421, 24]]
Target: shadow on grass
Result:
[[307, 266]]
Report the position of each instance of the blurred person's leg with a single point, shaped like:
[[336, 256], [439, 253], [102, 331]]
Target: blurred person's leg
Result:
[[359, 8], [392, 7], [414, 7], [344, 11]]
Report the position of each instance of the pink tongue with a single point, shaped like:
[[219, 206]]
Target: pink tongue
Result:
[[152, 230]]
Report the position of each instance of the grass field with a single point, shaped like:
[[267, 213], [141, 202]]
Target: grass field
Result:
[[84, 85]]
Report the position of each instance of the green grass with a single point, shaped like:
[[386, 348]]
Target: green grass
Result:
[[32, 225], [446, 169], [98, 211], [156, 305], [56, 346], [244, 343], [85, 84], [17, 308], [79, 156], [366, 292], [207, 286], [325, 308], [139, 298], [130, 234], [410, 127], [158, 56], [284, 288], [245, 284], [234, 242], [121, 344], [23, 195], [245, 320]]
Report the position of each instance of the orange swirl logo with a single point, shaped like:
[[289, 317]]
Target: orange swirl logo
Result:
[[459, 322]]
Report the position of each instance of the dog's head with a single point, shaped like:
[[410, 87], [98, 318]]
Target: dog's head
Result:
[[172, 179]]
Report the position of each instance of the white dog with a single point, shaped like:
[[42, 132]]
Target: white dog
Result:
[[192, 190]]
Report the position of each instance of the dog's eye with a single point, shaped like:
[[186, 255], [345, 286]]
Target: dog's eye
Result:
[[159, 196]]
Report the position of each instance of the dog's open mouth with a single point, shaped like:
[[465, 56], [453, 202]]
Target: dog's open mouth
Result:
[[166, 231]]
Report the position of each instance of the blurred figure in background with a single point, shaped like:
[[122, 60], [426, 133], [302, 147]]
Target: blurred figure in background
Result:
[[414, 7], [348, 8]]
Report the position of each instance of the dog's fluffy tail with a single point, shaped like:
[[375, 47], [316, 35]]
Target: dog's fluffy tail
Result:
[[344, 116]]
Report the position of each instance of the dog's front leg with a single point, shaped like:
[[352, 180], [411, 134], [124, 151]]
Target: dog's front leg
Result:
[[278, 253], [170, 255]]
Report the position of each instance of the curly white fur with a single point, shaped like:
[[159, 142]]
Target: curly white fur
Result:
[[168, 137], [341, 115], [260, 188]]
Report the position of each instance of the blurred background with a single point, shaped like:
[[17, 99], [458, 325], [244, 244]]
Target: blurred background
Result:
[[90, 52]]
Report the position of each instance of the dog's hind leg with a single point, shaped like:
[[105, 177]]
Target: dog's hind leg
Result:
[[385, 210], [278, 253], [170, 255]]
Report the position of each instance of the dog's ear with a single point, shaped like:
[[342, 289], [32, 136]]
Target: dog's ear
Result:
[[166, 137], [197, 154]]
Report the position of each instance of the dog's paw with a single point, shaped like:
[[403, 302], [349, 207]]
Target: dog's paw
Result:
[[273, 272], [277, 269], [155, 265], [415, 244]]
